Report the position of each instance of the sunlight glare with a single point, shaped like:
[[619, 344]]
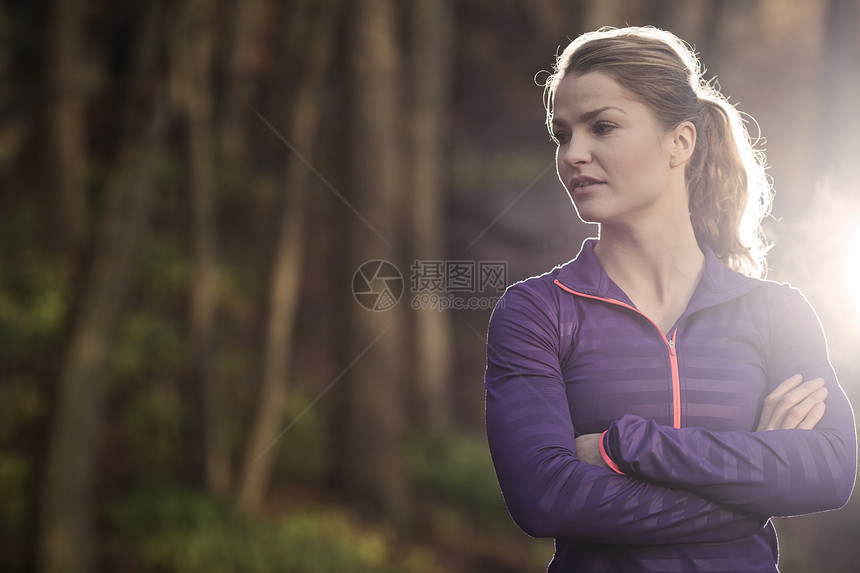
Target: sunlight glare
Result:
[[851, 269]]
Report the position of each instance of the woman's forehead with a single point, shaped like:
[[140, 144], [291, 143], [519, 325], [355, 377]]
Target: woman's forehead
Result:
[[576, 95]]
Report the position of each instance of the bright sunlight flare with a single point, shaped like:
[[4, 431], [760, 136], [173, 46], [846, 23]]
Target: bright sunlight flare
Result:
[[818, 251], [850, 262]]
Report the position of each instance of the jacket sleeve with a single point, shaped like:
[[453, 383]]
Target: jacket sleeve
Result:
[[548, 490], [773, 473]]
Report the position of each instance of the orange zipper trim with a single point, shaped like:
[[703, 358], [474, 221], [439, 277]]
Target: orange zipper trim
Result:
[[670, 344], [676, 380]]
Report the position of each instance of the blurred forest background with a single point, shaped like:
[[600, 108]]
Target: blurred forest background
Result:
[[187, 188]]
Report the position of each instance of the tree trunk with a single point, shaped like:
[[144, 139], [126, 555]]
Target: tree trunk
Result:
[[285, 278], [428, 74], [191, 53], [372, 467], [690, 20], [246, 60], [599, 13], [65, 131], [65, 534], [552, 18]]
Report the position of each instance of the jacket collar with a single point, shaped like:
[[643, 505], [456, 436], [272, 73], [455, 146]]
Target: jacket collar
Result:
[[719, 284]]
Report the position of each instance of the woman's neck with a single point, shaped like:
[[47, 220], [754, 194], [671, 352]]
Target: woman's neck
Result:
[[657, 268]]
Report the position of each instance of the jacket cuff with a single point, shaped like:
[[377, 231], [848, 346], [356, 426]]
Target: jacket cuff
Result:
[[612, 465]]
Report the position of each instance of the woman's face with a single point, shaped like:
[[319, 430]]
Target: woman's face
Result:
[[613, 157]]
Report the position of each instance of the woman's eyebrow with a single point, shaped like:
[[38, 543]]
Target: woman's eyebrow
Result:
[[589, 115]]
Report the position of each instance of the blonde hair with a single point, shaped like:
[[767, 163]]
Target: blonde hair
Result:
[[728, 188]]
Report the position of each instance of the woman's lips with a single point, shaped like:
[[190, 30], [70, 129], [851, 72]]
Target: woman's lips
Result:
[[584, 185]]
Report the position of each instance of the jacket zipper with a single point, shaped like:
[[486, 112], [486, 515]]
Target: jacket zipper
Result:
[[676, 375], [671, 344]]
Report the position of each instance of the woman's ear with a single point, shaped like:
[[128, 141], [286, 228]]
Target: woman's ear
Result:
[[683, 143]]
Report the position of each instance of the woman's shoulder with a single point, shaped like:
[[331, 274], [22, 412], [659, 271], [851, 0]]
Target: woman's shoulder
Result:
[[536, 283], [777, 297], [731, 283], [541, 288], [538, 297], [779, 291]]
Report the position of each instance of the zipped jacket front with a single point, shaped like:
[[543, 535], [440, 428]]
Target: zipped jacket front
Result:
[[693, 485]]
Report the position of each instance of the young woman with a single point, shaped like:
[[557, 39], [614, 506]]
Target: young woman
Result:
[[651, 403]]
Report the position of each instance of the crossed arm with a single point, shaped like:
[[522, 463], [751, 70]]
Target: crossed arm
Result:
[[796, 404], [554, 484], [801, 459]]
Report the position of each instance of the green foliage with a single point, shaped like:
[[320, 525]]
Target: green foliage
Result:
[[457, 470], [189, 532], [486, 173], [143, 363], [33, 300], [34, 293], [15, 472], [304, 449], [165, 269], [21, 407], [151, 427], [148, 345]]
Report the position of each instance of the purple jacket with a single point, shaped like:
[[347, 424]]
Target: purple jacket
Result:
[[694, 485]]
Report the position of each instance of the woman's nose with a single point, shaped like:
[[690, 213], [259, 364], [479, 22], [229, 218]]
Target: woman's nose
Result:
[[577, 150]]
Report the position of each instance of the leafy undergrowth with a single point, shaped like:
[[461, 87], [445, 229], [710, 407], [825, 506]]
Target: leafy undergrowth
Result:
[[167, 529], [459, 524]]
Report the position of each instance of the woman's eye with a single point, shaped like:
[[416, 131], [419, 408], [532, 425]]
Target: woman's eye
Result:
[[603, 128], [560, 138]]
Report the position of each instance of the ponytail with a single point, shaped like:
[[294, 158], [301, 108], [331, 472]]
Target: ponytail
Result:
[[728, 190]]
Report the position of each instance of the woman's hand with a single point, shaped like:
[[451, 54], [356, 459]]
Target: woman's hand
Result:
[[588, 449], [794, 404]]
